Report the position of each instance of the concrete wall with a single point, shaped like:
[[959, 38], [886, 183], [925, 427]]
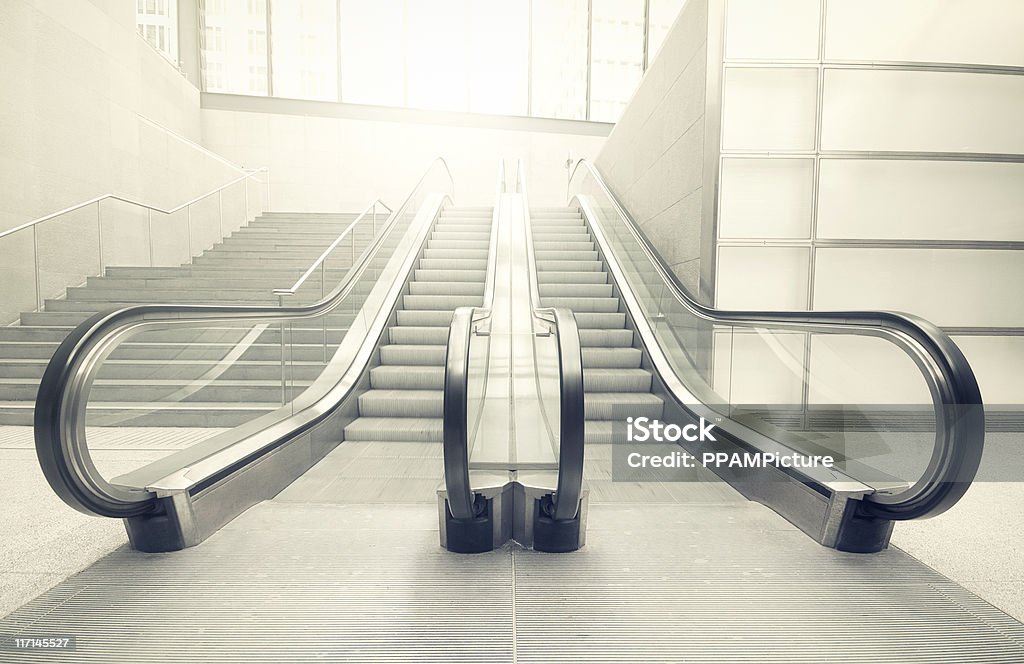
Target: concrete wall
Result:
[[321, 162], [92, 109], [654, 159]]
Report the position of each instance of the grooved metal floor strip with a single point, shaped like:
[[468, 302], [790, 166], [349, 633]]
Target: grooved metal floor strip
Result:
[[656, 583]]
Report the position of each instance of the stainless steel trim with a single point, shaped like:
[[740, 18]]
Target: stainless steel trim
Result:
[[889, 65], [960, 420], [878, 154], [874, 243]]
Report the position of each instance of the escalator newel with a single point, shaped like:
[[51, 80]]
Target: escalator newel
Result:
[[471, 535], [550, 535]]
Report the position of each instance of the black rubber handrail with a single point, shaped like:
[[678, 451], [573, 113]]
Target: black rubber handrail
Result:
[[455, 419], [455, 435], [572, 419], [565, 501], [60, 409], [960, 431]]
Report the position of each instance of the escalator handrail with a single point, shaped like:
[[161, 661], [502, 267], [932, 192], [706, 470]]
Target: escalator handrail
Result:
[[460, 498], [960, 427], [455, 408], [572, 412], [60, 409]]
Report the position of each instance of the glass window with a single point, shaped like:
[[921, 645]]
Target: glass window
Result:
[[499, 57], [437, 59], [373, 52], [157, 22], [304, 34], [559, 70], [616, 60], [518, 57], [235, 47]]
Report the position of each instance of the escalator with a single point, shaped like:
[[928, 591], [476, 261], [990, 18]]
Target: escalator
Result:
[[480, 392]]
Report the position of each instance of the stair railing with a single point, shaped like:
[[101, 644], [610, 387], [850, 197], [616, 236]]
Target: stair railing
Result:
[[369, 212], [84, 225]]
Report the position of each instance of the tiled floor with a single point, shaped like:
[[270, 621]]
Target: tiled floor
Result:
[[42, 540], [977, 543]]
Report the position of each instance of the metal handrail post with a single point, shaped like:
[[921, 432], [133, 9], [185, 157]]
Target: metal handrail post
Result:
[[35, 262], [323, 294]]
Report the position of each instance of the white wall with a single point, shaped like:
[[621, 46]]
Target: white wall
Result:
[[654, 159], [320, 163], [92, 109], [813, 212]]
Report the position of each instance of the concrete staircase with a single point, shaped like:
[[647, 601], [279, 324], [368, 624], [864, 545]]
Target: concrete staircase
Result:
[[405, 401], [150, 380], [570, 274]]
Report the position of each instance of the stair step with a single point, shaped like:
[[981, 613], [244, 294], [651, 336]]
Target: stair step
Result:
[[440, 302], [192, 295], [408, 378], [54, 334], [579, 304], [450, 275], [562, 255], [590, 338], [620, 405], [553, 277], [398, 429], [574, 246], [616, 380], [479, 254], [554, 213], [164, 391], [413, 354], [479, 231], [447, 288], [425, 318], [32, 368], [47, 318], [445, 235], [198, 414], [600, 432], [480, 245], [401, 403], [253, 283], [600, 320], [575, 290], [454, 263], [417, 335], [611, 358], [544, 265]]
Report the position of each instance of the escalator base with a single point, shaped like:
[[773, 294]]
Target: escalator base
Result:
[[655, 583]]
